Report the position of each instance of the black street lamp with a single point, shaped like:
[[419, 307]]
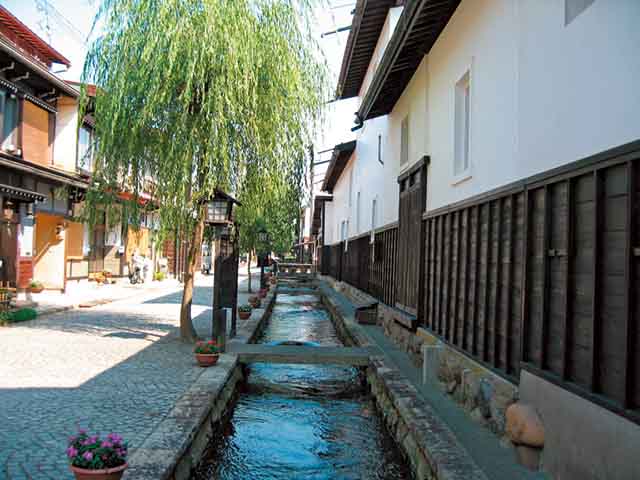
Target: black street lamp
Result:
[[219, 212], [263, 241]]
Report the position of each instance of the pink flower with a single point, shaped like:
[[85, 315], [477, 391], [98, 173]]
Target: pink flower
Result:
[[106, 444], [71, 452], [88, 456], [82, 431], [114, 437]]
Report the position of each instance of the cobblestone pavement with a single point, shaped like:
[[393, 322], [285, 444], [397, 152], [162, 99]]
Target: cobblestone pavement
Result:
[[118, 367]]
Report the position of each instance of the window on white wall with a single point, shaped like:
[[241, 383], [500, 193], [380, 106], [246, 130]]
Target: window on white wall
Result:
[[380, 149], [462, 163], [573, 8], [374, 207], [350, 187], [357, 212], [404, 141]]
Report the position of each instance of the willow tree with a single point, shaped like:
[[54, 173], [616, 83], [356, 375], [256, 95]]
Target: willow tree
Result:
[[202, 95]]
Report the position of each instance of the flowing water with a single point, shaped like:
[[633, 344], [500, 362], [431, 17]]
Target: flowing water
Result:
[[303, 421]]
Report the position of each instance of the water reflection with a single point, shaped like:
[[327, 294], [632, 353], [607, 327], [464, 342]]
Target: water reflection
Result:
[[303, 421]]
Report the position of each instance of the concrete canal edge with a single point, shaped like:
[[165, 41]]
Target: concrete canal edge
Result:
[[426, 441], [178, 442]]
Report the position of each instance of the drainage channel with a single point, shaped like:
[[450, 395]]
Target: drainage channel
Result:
[[302, 421]]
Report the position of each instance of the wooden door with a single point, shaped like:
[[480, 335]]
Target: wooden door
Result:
[[96, 255], [8, 252], [413, 200]]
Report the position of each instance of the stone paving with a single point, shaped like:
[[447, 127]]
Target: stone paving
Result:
[[117, 367]]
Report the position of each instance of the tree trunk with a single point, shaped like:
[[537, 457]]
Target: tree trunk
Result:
[[249, 269], [187, 332]]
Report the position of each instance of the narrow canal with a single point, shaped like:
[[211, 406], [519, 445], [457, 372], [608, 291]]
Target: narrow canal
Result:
[[303, 421]]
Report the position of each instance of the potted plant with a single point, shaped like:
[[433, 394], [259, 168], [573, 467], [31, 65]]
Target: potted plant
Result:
[[207, 353], [36, 286], [93, 458], [244, 311], [254, 301]]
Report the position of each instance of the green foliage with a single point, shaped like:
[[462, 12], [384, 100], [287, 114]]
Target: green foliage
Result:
[[207, 348], [21, 315], [159, 276], [245, 308], [205, 94]]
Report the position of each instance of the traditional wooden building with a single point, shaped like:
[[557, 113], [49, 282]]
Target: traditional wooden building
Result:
[[39, 184], [491, 200]]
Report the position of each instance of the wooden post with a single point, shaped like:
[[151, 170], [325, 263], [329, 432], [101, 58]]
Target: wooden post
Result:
[[219, 315]]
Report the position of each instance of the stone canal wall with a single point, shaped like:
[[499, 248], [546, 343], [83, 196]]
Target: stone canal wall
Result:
[[484, 394], [426, 441], [177, 445]]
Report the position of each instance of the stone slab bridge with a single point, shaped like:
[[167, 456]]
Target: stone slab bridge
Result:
[[355, 356]]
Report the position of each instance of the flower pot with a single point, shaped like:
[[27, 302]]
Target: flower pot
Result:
[[114, 473], [244, 315], [207, 359], [36, 289]]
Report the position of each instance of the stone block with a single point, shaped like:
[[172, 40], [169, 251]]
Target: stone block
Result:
[[431, 355], [524, 426]]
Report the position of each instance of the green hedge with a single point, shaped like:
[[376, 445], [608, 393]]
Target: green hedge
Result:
[[16, 316]]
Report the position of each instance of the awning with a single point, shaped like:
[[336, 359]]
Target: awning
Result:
[[42, 171], [339, 160], [20, 194]]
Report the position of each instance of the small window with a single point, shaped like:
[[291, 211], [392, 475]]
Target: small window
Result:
[[462, 162], [374, 206], [85, 149], [358, 213], [9, 122], [573, 8], [380, 149], [404, 141], [351, 176]]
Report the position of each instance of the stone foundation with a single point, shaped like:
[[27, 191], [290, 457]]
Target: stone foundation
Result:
[[397, 325], [484, 394], [426, 441]]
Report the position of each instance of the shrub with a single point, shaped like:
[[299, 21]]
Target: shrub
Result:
[[22, 315], [36, 284], [159, 276], [90, 452], [207, 348]]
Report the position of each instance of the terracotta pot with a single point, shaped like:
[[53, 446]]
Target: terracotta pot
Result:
[[36, 289], [262, 293], [207, 359], [244, 315], [106, 474]]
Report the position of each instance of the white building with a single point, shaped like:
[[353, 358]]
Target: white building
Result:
[[524, 115]]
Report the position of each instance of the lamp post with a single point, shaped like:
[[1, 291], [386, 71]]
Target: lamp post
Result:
[[219, 212], [263, 240]]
